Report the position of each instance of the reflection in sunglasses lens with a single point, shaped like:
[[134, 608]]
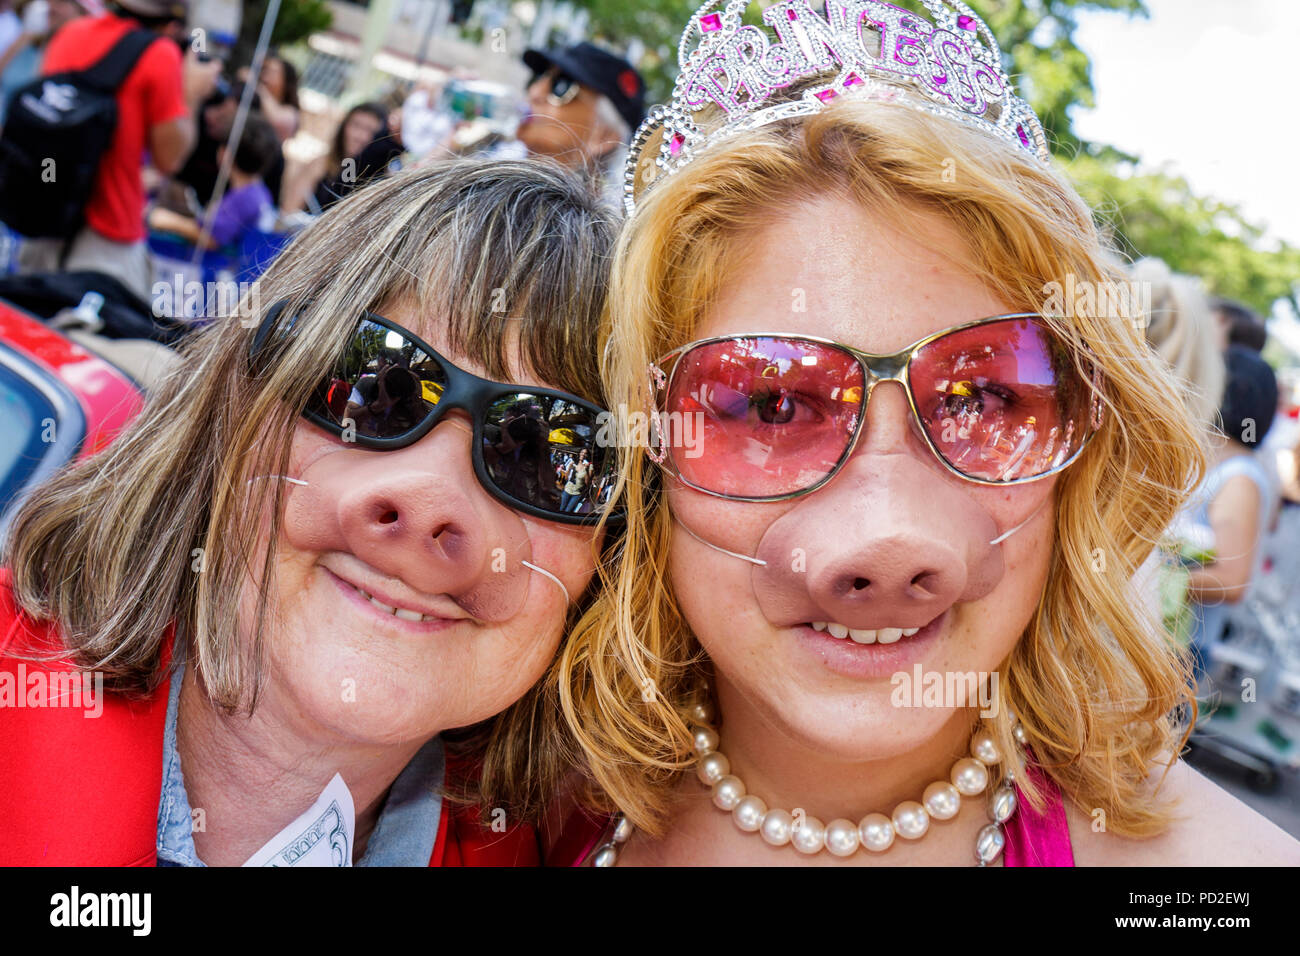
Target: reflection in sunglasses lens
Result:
[[775, 416], [542, 451], [563, 86], [771, 416], [1001, 401], [384, 385]]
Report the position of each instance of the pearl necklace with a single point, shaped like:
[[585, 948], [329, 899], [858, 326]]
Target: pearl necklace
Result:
[[875, 833]]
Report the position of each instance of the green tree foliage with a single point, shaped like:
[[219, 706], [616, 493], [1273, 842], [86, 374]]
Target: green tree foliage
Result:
[[297, 20], [656, 23], [1156, 213]]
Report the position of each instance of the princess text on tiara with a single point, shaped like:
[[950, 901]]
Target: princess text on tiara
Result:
[[951, 62]]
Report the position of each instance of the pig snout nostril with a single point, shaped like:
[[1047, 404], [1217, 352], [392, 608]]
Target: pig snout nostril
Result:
[[926, 581], [861, 584], [388, 517]]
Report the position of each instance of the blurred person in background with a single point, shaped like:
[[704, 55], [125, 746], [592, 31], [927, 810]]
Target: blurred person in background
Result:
[[427, 130], [361, 151], [247, 204], [1236, 499], [277, 83], [1181, 329], [203, 165], [11, 27], [584, 105], [157, 105], [1239, 325], [41, 19], [216, 119]]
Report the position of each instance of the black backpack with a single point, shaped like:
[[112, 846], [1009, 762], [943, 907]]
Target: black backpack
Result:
[[124, 314], [57, 129]]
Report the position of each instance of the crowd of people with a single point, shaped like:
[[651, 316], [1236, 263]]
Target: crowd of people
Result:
[[370, 554], [1218, 541], [177, 111]]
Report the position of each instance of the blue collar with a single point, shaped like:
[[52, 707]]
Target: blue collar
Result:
[[403, 836]]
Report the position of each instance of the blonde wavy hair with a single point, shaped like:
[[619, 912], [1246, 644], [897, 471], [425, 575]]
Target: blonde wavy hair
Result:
[[1093, 680]]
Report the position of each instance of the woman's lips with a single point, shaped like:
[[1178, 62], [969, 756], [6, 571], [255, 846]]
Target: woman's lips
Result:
[[850, 658], [404, 618]]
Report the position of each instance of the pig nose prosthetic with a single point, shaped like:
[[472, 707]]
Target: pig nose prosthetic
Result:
[[886, 542], [434, 539]]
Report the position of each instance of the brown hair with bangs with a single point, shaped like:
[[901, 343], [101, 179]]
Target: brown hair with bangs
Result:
[[161, 527]]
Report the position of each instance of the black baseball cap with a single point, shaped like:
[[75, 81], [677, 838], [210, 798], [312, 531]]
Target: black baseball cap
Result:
[[609, 75]]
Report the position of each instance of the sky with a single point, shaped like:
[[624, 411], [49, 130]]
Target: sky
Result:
[[1165, 93], [1209, 89]]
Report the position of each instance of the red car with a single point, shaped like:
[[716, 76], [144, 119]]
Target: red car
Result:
[[58, 402]]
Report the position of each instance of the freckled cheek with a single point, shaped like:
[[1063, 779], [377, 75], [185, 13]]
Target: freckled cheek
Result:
[[993, 625], [716, 596]]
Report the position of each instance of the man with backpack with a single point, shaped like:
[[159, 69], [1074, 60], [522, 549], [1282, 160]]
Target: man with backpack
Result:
[[71, 181]]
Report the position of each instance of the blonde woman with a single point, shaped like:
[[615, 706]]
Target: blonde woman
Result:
[[873, 605], [303, 562]]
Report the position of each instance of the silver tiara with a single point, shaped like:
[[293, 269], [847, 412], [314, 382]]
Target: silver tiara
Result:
[[949, 65]]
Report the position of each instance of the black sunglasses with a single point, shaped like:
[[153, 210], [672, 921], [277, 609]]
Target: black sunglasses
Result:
[[564, 88], [537, 450]]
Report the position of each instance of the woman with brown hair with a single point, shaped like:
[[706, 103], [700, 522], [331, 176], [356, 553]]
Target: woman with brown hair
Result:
[[285, 606], [278, 85]]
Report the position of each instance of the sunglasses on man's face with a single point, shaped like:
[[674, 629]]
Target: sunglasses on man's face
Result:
[[769, 417], [390, 388], [563, 89]]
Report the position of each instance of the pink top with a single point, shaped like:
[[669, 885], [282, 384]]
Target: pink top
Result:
[[1038, 839], [1033, 839]]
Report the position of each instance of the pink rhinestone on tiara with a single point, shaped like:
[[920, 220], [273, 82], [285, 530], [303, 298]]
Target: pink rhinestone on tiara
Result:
[[948, 65]]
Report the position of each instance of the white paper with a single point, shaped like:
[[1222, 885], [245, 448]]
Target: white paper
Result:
[[320, 837]]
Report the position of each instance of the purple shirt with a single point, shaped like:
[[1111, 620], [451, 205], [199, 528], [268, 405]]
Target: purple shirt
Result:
[[240, 211]]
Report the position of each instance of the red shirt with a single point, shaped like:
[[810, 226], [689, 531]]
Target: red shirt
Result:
[[79, 786], [153, 93]]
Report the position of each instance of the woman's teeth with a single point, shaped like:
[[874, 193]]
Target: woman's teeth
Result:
[[883, 635], [401, 612]]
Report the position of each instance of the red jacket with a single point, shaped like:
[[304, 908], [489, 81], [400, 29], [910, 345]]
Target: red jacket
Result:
[[83, 791]]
